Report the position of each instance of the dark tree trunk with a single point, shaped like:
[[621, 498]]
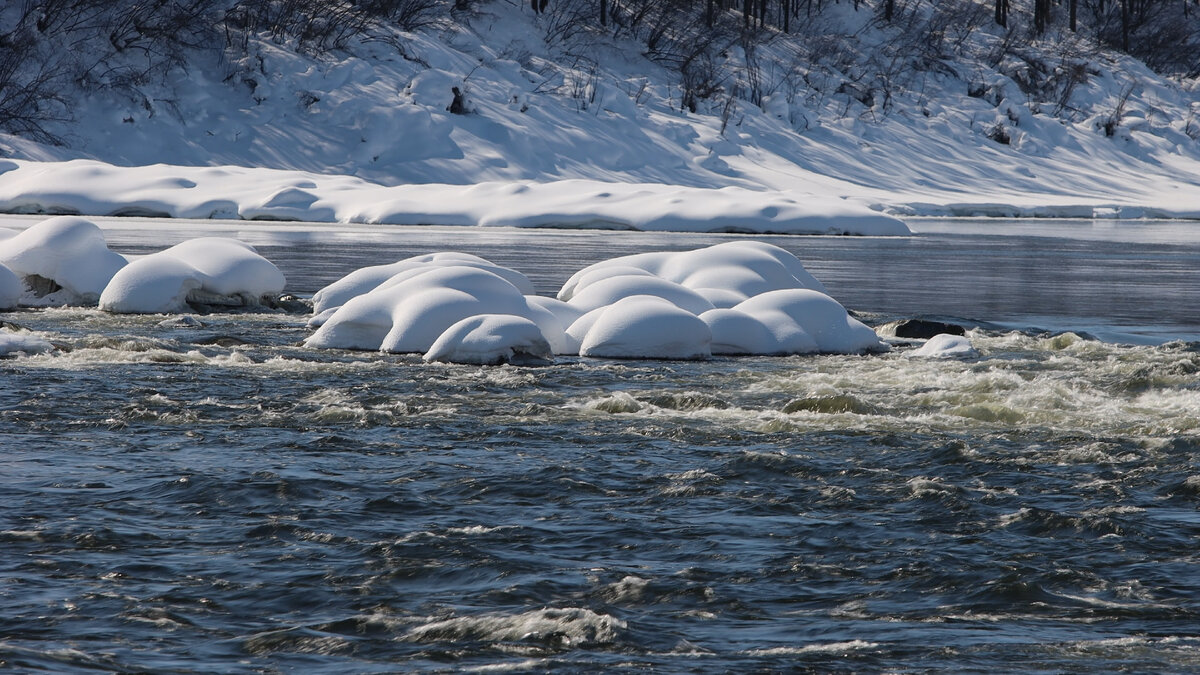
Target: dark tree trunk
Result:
[[1041, 15], [604, 12], [1125, 25], [1002, 13]]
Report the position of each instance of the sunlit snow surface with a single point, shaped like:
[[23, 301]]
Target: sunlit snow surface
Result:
[[90, 187], [63, 261]]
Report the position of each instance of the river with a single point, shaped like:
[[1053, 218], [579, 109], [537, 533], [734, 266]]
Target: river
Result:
[[219, 498]]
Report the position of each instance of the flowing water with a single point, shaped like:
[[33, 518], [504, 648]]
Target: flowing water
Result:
[[216, 498]]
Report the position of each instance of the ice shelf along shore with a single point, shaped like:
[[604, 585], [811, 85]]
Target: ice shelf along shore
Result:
[[740, 297], [89, 187]]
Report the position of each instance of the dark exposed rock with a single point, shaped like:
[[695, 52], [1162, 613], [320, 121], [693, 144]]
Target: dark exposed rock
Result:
[[290, 304], [919, 329], [222, 341]]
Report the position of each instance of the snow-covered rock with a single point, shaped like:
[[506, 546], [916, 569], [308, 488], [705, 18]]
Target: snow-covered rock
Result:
[[410, 311], [610, 290], [490, 339], [946, 346], [732, 270], [788, 313], [735, 332], [208, 271], [642, 326], [641, 306], [61, 261], [367, 279]]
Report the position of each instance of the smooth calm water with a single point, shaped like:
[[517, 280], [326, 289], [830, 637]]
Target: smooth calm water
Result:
[[220, 499]]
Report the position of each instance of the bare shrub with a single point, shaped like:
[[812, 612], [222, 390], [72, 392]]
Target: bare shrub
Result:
[[29, 98]]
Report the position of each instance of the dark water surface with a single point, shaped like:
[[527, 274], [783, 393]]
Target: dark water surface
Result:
[[220, 499]]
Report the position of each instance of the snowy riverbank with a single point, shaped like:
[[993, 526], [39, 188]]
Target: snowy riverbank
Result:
[[93, 188], [364, 134]]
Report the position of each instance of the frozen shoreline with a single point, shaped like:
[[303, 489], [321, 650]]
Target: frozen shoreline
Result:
[[92, 188]]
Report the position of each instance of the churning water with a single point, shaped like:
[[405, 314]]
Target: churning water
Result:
[[217, 498]]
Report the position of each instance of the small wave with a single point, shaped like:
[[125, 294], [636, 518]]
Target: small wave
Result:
[[523, 666], [1045, 522], [628, 590], [619, 402], [831, 404], [686, 401], [823, 648], [297, 640], [565, 628]]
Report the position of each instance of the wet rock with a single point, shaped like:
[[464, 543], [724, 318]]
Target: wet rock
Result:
[[181, 322], [921, 329], [222, 341], [291, 304]]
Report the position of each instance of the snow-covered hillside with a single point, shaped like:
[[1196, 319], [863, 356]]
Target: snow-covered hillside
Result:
[[967, 135]]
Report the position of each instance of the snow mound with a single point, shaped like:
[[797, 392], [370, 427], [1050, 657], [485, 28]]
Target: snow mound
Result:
[[727, 273], [367, 279], [946, 346], [737, 333], [606, 292], [410, 311], [490, 339], [11, 288], [642, 326], [735, 298], [12, 343], [61, 261], [207, 271], [789, 311]]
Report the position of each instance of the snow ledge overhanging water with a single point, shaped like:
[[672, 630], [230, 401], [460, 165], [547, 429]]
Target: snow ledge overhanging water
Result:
[[88, 187]]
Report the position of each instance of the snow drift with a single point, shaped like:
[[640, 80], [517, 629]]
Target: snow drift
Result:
[[85, 186]]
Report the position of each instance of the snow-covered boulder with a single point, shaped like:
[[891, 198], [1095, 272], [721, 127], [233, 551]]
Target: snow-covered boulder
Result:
[[208, 271], [642, 326], [61, 261], [610, 290], [11, 288], [366, 279], [410, 311], [735, 270], [735, 332], [788, 313], [946, 346], [753, 298], [736, 298], [490, 339]]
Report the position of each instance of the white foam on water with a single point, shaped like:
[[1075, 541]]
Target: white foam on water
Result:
[[571, 626], [824, 648], [522, 666], [629, 589]]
